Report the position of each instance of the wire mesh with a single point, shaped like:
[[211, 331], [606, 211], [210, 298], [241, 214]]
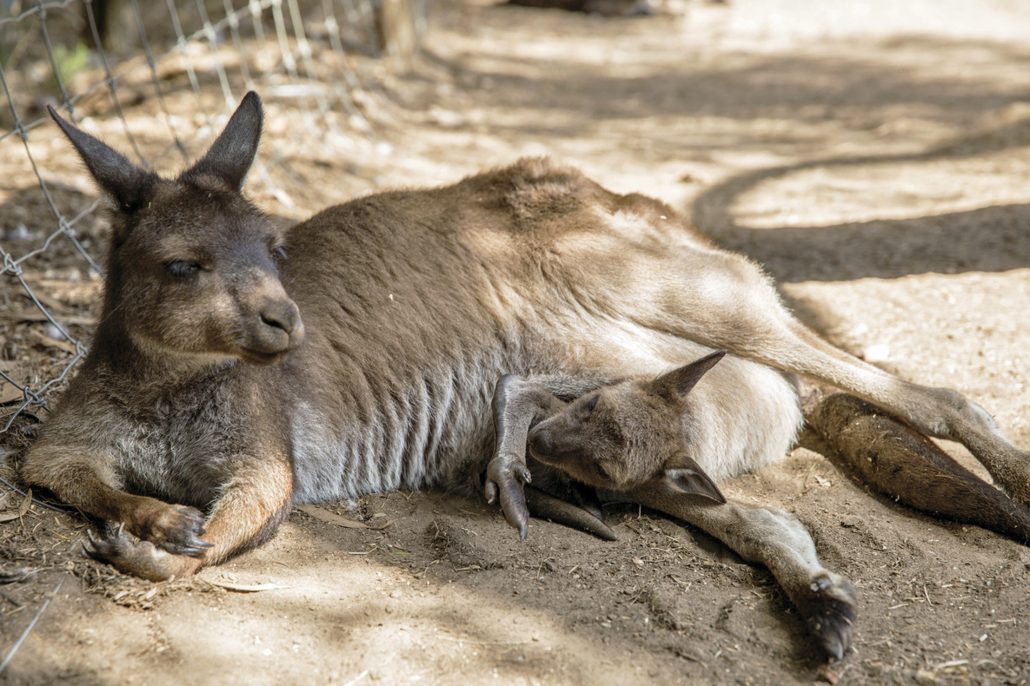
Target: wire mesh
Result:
[[157, 79]]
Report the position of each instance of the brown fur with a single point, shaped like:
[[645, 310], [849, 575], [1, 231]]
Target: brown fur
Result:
[[651, 439], [629, 434], [228, 381], [880, 452]]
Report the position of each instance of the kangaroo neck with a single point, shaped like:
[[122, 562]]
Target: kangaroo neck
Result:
[[122, 358]]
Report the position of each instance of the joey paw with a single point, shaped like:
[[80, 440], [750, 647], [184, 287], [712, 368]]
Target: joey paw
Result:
[[111, 544], [829, 606], [505, 477]]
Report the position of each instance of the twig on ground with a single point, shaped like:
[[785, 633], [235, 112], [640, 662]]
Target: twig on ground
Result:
[[357, 678], [16, 574], [37, 501]]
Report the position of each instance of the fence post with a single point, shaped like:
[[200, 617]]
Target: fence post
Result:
[[116, 25], [397, 28]]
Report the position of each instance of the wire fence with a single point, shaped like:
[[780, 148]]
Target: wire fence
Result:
[[157, 79]]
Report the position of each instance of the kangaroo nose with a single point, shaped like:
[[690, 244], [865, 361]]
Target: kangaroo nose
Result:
[[271, 327], [281, 315]]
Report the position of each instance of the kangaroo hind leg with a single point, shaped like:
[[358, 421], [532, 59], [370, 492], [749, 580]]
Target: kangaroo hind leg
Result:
[[724, 301]]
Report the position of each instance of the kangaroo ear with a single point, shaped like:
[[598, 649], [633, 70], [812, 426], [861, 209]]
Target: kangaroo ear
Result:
[[679, 382], [230, 156], [692, 481], [129, 185]]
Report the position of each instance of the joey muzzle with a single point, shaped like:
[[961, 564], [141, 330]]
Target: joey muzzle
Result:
[[539, 443], [546, 444]]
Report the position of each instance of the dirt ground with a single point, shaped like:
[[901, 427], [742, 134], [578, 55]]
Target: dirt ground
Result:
[[875, 156]]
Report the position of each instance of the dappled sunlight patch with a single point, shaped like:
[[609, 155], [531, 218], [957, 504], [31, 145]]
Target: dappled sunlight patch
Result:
[[906, 187], [348, 616]]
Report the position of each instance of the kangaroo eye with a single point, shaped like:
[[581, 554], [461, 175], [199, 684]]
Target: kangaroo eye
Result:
[[601, 471], [275, 247], [182, 268], [590, 404]]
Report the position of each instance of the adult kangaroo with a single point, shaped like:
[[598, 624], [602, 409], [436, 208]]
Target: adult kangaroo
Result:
[[236, 371]]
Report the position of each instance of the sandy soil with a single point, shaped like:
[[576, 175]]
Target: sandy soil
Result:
[[874, 156]]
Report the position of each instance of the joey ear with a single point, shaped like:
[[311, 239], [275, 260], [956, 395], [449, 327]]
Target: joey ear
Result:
[[691, 480], [230, 156], [128, 184], [679, 382]]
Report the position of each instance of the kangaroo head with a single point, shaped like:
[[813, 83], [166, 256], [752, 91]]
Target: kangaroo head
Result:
[[193, 267], [628, 434]]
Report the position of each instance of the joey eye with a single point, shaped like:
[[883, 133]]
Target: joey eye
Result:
[[182, 268], [588, 406], [600, 470]]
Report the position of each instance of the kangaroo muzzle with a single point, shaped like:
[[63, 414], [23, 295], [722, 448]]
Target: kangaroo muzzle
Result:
[[271, 329]]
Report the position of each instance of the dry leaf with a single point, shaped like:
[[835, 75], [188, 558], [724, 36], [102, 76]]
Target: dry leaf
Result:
[[828, 675], [45, 301], [43, 339], [25, 504], [69, 292], [30, 316], [244, 588], [11, 576], [331, 517], [10, 393], [23, 509]]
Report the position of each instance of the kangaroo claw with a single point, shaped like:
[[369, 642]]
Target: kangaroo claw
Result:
[[828, 606], [195, 548], [141, 558], [505, 478], [174, 528]]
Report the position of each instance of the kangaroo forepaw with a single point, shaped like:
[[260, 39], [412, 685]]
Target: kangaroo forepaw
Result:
[[505, 477], [132, 556], [829, 607], [174, 528]]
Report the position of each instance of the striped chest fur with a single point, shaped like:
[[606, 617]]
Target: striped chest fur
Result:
[[430, 431]]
